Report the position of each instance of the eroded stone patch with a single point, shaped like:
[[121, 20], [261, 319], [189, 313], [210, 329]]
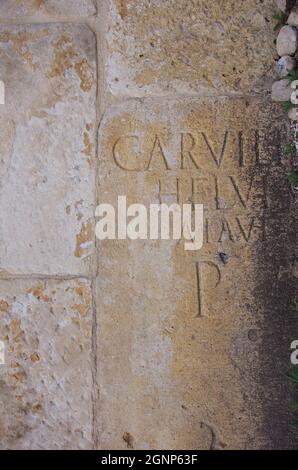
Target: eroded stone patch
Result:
[[166, 46], [46, 381], [47, 160]]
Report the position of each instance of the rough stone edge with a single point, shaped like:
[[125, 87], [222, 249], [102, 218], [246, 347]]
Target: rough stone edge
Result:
[[292, 6]]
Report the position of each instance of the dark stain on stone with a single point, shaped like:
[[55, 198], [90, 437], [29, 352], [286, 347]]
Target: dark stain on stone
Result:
[[128, 438], [273, 293], [224, 257]]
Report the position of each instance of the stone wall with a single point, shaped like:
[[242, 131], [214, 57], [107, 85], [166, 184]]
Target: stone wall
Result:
[[141, 344]]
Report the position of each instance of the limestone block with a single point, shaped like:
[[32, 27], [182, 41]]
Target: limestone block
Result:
[[166, 46], [47, 148], [46, 381], [46, 8], [182, 364]]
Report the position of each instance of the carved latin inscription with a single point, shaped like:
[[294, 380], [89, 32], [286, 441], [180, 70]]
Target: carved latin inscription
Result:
[[231, 173], [195, 150]]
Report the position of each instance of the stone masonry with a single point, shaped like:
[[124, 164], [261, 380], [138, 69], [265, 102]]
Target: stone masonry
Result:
[[138, 344]]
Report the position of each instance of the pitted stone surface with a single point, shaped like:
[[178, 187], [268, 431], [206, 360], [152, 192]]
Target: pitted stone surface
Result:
[[47, 148], [164, 46], [46, 381], [170, 321], [46, 8]]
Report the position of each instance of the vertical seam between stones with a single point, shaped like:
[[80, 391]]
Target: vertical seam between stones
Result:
[[94, 307], [94, 369]]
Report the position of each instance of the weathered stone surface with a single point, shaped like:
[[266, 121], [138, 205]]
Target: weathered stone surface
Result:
[[187, 341], [46, 381], [166, 46], [284, 65], [287, 41], [46, 8], [47, 148], [281, 90]]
